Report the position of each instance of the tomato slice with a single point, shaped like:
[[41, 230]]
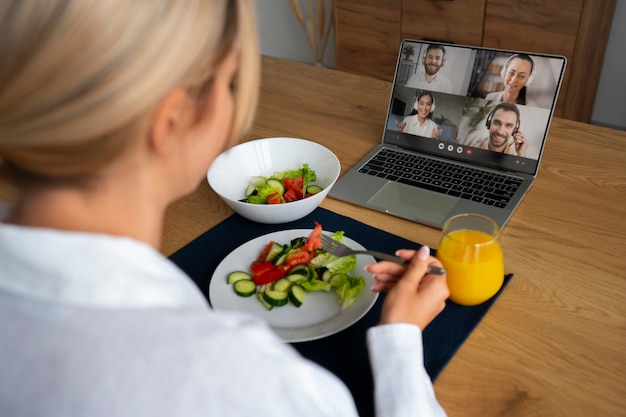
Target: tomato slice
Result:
[[299, 257], [273, 198], [266, 272], [271, 275], [260, 268], [265, 251], [295, 184], [314, 241], [290, 195]]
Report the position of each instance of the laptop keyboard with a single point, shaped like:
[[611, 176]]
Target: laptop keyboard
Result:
[[443, 177]]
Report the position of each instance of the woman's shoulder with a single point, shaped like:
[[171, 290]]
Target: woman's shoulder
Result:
[[530, 102], [496, 95]]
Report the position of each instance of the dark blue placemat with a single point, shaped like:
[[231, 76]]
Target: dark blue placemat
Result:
[[344, 353]]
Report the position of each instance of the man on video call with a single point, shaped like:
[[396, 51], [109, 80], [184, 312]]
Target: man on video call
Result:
[[428, 77], [504, 134]]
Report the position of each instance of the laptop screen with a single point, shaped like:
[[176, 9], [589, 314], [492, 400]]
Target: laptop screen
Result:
[[483, 106]]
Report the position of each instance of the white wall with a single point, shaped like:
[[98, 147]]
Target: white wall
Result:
[[281, 36]]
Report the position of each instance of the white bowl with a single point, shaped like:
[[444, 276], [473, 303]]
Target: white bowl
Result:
[[230, 175]]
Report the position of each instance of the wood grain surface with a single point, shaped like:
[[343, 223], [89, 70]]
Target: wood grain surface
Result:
[[445, 21]]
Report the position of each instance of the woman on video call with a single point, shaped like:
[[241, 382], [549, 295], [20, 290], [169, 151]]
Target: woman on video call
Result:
[[419, 122], [518, 73]]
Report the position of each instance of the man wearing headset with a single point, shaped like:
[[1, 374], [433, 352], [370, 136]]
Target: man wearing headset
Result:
[[505, 136], [428, 77]]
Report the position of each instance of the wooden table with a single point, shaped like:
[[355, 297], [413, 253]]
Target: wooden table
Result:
[[553, 343]]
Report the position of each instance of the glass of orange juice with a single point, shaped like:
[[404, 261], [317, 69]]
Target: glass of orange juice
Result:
[[471, 253]]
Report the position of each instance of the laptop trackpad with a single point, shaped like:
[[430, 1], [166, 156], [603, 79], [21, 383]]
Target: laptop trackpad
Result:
[[414, 203]]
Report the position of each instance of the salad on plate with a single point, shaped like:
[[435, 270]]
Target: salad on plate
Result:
[[285, 272]]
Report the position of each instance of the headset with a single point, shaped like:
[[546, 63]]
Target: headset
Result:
[[434, 46], [524, 57], [507, 107], [422, 94]]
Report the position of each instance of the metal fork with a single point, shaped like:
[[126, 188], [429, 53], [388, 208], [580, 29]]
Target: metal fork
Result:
[[338, 249]]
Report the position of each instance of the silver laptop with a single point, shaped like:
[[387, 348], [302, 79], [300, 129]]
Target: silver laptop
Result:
[[465, 131]]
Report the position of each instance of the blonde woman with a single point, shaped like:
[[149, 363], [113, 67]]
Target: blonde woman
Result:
[[109, 111]]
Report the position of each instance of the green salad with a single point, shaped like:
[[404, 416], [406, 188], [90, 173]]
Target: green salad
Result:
[[285, 273], [282, 187]]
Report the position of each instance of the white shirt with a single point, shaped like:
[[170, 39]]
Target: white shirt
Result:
[[439, 83], [96, 325], [414, 127], [497, 96]]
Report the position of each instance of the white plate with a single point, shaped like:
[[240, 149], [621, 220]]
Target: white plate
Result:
[[319, 315]]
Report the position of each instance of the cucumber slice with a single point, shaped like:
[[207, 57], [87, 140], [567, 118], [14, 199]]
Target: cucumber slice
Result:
[[237, 276], [326, 275], [277, 185], [313, 189], [282, 285], [244, 288], [251, 188], [258, 181], [275, 298], [295, 278], [300, 269], [315, 285], [280, 259], [297, 242], [299, 272], [296, 295], [337, 280], [312, 274], [274, 251], [267, 305]]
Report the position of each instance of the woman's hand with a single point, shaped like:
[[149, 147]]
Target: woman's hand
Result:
[[413, 296], [400, 126]]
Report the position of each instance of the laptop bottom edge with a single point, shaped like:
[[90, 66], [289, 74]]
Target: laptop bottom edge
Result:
[[411, 203]]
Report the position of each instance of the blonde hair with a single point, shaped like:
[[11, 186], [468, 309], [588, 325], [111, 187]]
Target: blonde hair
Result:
[[80, 78]]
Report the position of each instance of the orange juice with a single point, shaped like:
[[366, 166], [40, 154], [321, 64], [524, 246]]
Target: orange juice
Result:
[[474, 263]]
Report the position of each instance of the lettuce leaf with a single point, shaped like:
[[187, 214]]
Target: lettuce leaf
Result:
[[347, 288], [306, 172], [335, 264], [260, 195]]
